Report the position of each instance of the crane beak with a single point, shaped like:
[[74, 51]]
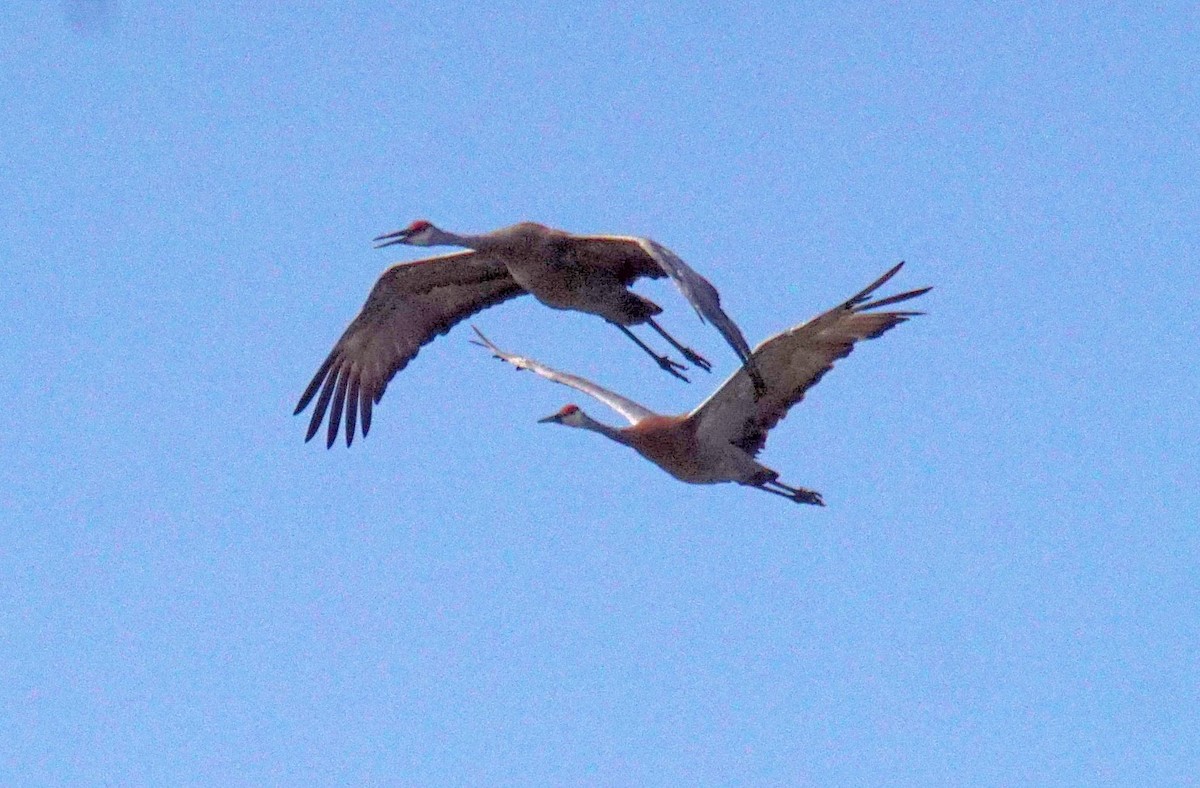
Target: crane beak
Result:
[[389, 239], [555, 419]]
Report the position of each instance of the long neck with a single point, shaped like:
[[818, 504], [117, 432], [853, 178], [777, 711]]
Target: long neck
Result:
[[586, 422], [443, 238]]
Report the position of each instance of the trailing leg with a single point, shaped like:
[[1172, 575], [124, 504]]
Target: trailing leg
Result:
[[687, 352], [797, 494], [665, 363]]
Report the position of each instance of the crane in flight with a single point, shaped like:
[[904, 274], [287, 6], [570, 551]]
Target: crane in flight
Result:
[[719, 440], [413, 303]]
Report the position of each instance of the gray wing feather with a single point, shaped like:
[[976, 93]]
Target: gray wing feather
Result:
[[654, 260], [705, 299], [631, 410], [792, 363]]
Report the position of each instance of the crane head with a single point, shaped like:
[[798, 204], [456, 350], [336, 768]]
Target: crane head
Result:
[[570, 415], [419, 233]]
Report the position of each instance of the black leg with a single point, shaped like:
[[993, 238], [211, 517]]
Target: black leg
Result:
[[687, 352], [670, 366], [797, 494]]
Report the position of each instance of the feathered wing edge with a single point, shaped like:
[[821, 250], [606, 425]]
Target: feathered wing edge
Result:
[[794, 361], [410, 305], [631, 410], [698, 291], [705, 299]]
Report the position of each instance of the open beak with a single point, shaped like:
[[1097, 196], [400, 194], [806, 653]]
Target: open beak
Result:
[[388, 239]]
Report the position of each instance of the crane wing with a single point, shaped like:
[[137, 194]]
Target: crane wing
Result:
[[410, 305], [792, 363], [626, 407], [699, 292], [620, 254]]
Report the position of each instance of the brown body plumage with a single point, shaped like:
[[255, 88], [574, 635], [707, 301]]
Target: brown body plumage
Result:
[[719, 440], [413, 303]]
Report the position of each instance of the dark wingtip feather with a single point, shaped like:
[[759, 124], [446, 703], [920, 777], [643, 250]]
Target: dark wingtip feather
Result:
[[892, 322], [895, 299], [352, 408], [322, 403], [314, 424], [314, 384], [865, 293], [366, 401], [335, 410]]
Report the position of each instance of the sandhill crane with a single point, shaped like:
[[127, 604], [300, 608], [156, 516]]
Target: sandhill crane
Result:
[[718, 441], [413, 303]]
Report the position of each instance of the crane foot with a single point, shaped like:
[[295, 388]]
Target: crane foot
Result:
[[797, 494], [696, 358], [808, 496], [687, 352], [672, 366]]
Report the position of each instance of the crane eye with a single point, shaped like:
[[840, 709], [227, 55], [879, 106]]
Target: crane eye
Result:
[[418, 226]]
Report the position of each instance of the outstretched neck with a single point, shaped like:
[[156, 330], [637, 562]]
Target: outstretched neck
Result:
[[439, 237], [586, 422]]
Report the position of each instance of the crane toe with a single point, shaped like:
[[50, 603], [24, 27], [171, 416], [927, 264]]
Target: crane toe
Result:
[[697, 359], [672, 366]]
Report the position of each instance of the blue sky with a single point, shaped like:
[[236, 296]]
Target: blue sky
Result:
[[1003, 588]]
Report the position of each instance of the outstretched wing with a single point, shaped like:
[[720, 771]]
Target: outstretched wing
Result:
[[644, 254], [792, 363], [410, 305], [626, 407]]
